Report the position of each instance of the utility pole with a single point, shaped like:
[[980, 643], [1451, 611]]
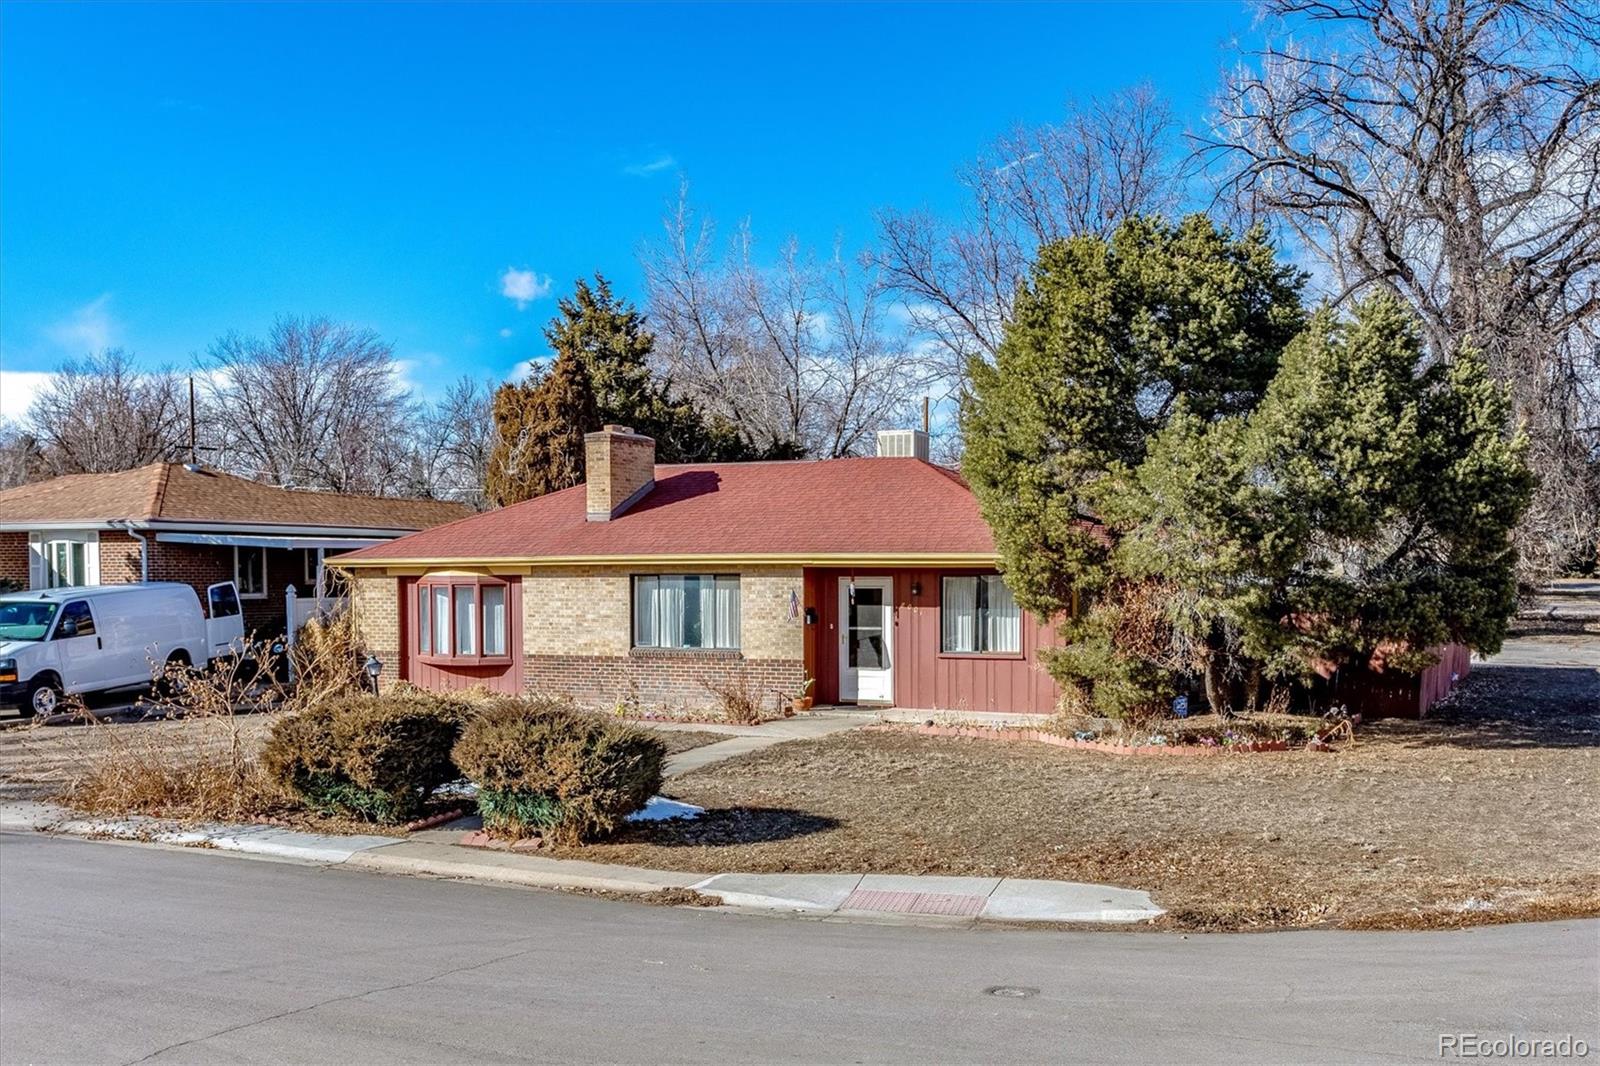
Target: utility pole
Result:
[[194, 460]]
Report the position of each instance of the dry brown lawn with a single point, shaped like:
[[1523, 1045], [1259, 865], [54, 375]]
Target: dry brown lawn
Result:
[[1489, 810], [38, 761], [682, 740]]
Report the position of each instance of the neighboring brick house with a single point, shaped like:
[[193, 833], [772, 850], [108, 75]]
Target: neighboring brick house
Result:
[[653, 585], [172, 522]]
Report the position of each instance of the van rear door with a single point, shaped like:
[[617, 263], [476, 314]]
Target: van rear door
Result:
[[224, 620]]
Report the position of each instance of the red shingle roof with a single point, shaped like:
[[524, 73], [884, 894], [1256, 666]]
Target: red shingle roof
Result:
[[171, 492], [810, 507]]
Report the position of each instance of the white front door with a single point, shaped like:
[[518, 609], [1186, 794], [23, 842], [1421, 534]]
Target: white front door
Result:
[[866, 640]]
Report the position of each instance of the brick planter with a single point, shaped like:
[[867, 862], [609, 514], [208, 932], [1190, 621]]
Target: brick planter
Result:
[[1057, 740]]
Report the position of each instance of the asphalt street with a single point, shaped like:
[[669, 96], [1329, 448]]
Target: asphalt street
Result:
[[128, 953]]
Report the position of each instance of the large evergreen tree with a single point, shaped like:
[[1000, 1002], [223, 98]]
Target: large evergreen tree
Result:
[[1363, 511], [601, 374], [1107, 337], [539, 428], [1192, 481]]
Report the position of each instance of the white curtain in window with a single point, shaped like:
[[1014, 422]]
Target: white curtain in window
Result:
[[1004, 621], [646, 591], [669, 612], [424, 624], [959, 614], [466, 604], [725, 613], [494, 620], [441, 619], [686, 611]]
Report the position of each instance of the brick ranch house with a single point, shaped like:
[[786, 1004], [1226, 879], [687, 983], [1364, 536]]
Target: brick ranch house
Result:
[[649, 585], [174, 522]]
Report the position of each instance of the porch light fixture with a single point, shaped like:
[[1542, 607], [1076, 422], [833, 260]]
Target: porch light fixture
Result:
[[373, 667], [916, 588]]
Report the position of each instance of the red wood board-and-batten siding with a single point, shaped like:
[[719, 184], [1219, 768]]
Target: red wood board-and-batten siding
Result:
[[925, 679], [440, 677]]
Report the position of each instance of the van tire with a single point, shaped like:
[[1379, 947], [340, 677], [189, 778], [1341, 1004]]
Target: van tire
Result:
[[168, 686], [44, 695]]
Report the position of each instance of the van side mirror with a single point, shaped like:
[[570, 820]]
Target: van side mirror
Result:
[[67, 628]]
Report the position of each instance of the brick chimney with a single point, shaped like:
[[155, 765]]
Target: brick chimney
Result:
[[619, 469]]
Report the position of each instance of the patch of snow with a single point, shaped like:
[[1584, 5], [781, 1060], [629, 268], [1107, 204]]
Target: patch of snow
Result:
[[661, 809]]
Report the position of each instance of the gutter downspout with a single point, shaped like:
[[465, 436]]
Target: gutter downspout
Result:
[[126, 524]]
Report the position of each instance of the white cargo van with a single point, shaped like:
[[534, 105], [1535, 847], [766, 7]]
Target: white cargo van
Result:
[[100, 637]]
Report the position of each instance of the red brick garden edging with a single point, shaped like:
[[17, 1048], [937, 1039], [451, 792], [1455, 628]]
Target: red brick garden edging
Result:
[[1043, 737], [436, 819]]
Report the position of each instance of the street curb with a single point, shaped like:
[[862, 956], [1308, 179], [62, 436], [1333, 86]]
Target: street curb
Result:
[[509, 868], [809, 895]]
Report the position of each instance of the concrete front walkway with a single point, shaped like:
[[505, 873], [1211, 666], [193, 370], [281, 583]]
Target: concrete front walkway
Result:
[[743, 739], [845, 896]]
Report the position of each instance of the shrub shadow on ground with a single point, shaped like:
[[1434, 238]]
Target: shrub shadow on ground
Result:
[[727, 826]]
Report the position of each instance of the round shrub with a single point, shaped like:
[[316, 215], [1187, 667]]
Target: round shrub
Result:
[[373, 757], [544, 767]]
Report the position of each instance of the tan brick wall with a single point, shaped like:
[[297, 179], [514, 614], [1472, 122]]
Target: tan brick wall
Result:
[[577, 638], [576, 611], [577, 635], [588, 611], [375, 609], [766, 630]]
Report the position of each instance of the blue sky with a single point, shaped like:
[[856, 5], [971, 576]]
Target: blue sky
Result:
[[169, 173]]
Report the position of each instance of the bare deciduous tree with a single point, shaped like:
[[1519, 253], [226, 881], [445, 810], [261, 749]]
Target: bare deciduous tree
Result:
[[797, 355], [102, 414], [314, 404], [22, 460], [1110, 158], [454, 441], [1449, 150]]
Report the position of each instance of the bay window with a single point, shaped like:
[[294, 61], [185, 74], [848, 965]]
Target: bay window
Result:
[[699, 611], [977, 615], [462, 619]]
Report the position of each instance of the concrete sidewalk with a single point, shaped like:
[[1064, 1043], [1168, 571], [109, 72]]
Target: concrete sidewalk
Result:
[[852, 896]]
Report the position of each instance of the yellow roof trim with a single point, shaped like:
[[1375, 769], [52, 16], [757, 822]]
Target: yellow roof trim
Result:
[[395, 567]]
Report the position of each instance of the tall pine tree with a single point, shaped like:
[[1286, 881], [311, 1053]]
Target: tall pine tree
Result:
[[1108, 339], [601, 374], [1363, 512]]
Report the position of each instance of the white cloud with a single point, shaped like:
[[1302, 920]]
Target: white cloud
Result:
[[663, 161], [524, 286], [17, 390], [505, 334], [403, 371], [87, 330]]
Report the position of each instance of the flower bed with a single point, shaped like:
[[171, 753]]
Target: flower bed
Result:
[[1201, 746], [699, 718]]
